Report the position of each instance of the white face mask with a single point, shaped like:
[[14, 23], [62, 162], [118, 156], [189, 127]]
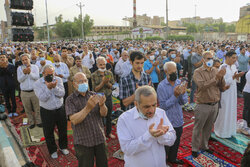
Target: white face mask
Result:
[[102, 70], [164, 57], [57, 64], [210, 63], [8, 52], [142, 115], [151, 58]]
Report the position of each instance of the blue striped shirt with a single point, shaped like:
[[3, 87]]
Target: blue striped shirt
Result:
[[170, 103]]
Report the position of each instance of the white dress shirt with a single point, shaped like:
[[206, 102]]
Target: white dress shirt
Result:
[[140, 148], [247, 86], [27, 80], [115, 56], [126, 68], [118, 67], [87, 61], [63, 70], [47, 62]]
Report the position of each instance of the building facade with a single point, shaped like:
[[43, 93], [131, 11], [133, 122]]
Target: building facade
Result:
[[101, 30]]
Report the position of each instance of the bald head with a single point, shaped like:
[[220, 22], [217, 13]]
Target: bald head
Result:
[[79, 78], [57, 58]]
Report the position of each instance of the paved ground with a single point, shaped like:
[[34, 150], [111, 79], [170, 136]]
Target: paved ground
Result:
[[11, 155]]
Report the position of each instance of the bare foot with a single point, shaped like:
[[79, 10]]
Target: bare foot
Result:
[[112, 136]]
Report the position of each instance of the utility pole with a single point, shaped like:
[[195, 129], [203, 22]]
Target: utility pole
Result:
[[134, 15], [167, 19], [47, 22], [80, 5], [195, 13]]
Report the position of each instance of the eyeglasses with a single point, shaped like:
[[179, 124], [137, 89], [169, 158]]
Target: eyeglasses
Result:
[[210, 58]]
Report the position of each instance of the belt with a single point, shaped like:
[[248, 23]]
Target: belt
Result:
[[211, 104], [28, 91]]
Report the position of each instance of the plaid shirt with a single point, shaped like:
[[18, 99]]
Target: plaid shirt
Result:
[[127, 86], [90, 132], [96, 79]]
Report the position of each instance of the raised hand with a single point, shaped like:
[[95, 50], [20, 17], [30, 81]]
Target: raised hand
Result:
[[163, 127]]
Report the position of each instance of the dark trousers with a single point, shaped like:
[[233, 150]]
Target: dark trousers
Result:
[[171, 152], [85, 155], [9, 93], [240, 86], [246, 110], [50, 119], [109, 105], [65, 84], [185, 67], [156, 85]]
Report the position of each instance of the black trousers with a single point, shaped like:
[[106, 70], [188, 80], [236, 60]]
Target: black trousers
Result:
[[85, 155], [50, 119], [171, 152], [240, 86], [109, 105], [246, 110], [65, 84], [9, 93], [155, 86], [185, 67]]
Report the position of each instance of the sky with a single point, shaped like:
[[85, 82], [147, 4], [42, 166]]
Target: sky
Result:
[[111, 12]]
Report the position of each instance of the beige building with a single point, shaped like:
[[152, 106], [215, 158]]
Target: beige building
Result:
[[199, 20], [144, 20], [245, 10], [101, 30]]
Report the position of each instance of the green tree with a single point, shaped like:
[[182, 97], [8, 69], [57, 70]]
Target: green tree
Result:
[[191, 28], [68, 29], [230, 28]]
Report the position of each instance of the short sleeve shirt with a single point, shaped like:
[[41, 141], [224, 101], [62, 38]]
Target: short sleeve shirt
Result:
[[90, 132]]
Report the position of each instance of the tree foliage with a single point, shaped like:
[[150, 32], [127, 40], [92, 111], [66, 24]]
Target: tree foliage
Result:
[[216, 27], [69, 29]]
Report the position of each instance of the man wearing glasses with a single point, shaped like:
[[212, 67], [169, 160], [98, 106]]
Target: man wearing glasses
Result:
[[209, 82]]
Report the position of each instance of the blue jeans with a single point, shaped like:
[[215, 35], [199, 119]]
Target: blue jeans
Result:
[[193, 88]]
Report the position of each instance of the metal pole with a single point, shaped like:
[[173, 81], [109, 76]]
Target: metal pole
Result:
[[134, 15], [167, 19], [47, 22], [80, 6]]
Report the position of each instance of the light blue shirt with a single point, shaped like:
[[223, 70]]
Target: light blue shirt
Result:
[[63, 70], [221, 55], [154, 76], [50, 99], [27, 80], [170, 103], [243, 63]]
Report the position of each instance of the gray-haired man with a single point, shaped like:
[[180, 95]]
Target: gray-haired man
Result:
[[27, 74], [144, 130], [50, 91]]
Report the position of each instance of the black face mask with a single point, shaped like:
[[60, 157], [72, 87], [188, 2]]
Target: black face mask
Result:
[[49, 78], [173, 76]]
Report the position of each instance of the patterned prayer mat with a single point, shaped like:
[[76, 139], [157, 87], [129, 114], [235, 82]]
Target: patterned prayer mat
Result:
[[238, 142], [206, 160], [115, 100], [119, 154], [31, 137]]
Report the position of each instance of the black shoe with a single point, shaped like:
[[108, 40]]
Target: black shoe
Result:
[[212, 139], [40, 125], [209, 151], [195, 154], [177, 161], [32, 126]]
